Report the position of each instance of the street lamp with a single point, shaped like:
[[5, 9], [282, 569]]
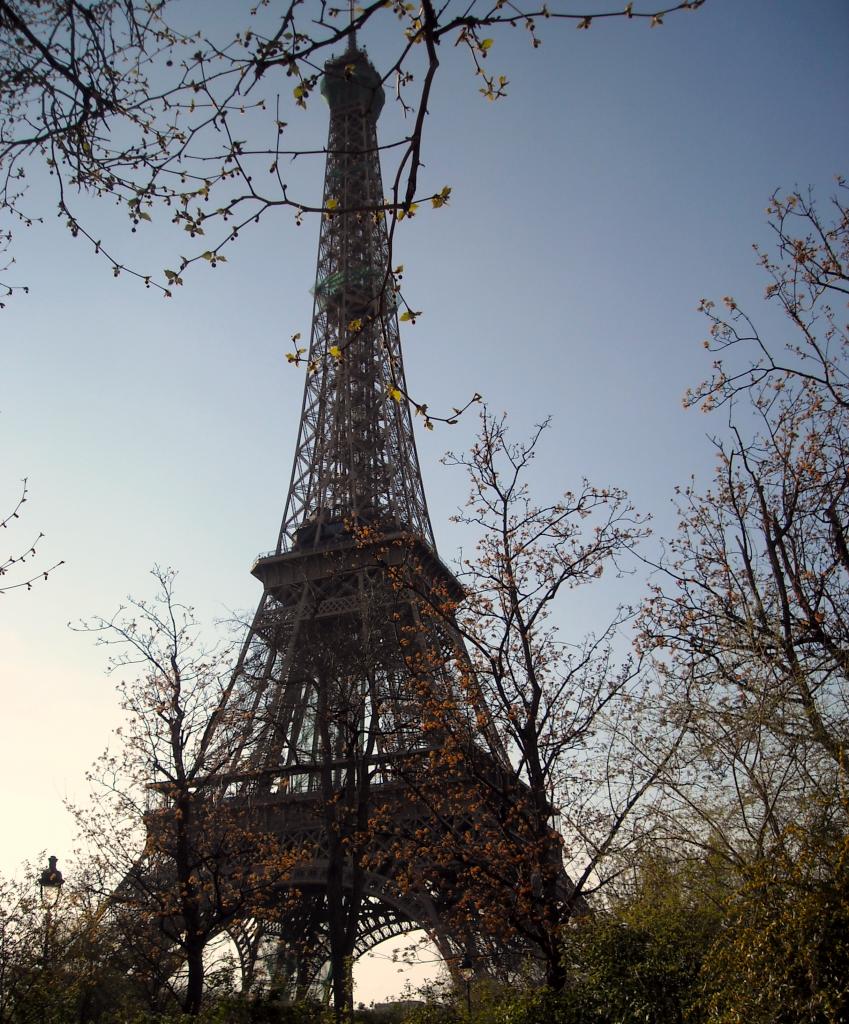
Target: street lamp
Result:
[[466, 970], [50, 884], [50, 888]]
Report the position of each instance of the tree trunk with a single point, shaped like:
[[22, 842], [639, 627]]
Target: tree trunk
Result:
[[194, 945], [555, 972], [336, 924], [194, 986]]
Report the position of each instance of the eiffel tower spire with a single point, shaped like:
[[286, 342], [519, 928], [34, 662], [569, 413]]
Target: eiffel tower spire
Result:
[[355, 460]]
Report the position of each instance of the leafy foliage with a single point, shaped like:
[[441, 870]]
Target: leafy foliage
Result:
[[784, 951]]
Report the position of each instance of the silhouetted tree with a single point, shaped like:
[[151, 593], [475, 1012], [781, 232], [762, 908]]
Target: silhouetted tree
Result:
[[181, 860], [549, 755]]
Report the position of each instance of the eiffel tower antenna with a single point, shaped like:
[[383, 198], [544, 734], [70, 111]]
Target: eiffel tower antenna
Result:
[[352, 38]]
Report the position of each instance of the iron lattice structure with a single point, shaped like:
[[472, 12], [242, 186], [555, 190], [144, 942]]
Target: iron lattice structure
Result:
[[345, 652], [356, 500], [356, 455]]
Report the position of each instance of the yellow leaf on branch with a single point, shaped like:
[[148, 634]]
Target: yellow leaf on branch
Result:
[[411, 212], [442, 198]]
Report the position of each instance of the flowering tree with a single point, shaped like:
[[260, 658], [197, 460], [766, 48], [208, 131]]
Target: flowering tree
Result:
[[752, 607], [544, 780], [178, 860]]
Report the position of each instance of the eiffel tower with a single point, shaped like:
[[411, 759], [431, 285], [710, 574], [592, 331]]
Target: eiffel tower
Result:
[[343, 652]]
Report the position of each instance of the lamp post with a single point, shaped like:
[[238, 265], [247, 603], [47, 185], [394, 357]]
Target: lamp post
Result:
[[50, 884], [50, 888], [466, 970]]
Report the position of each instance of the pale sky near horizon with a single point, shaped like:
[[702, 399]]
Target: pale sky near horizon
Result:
[[624, 177]]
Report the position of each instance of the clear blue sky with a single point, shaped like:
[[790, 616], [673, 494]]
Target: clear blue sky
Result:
[[624, 177]]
